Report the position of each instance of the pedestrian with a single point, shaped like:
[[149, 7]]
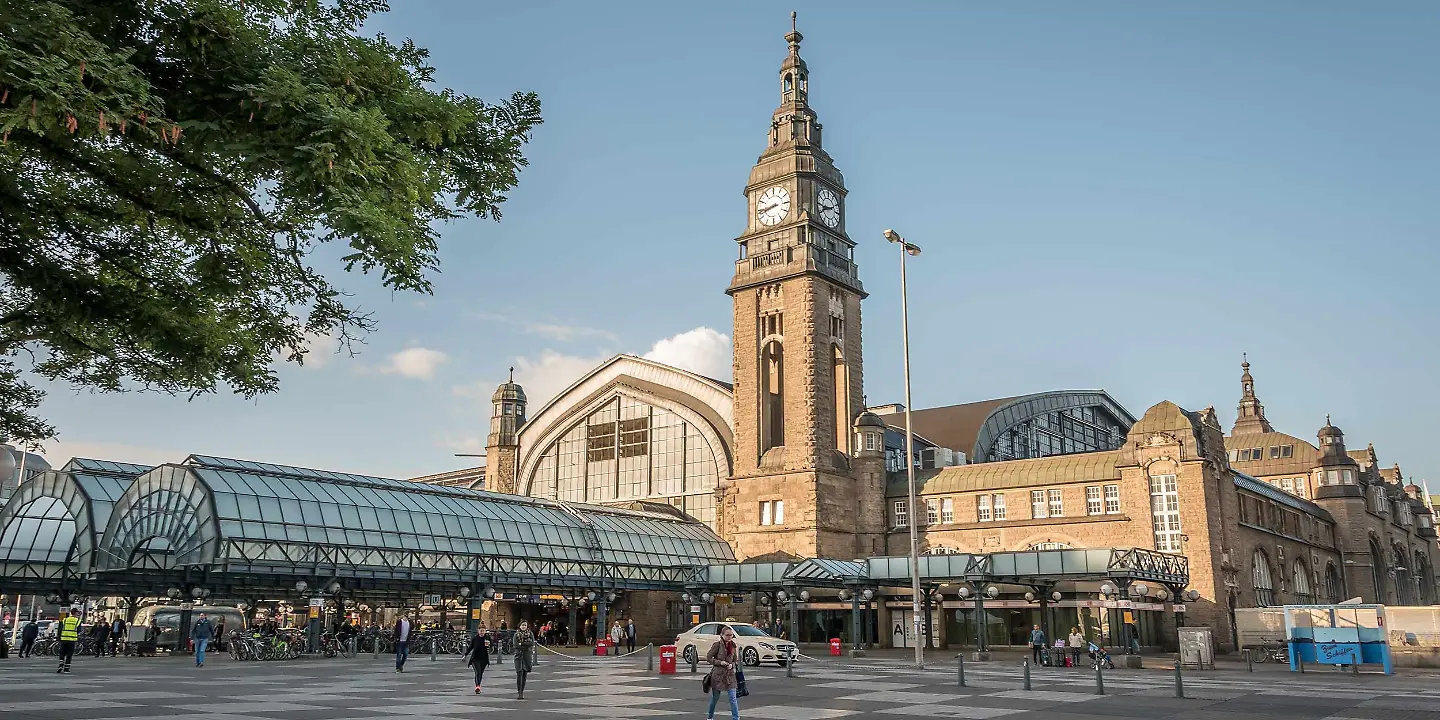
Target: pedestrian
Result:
[[117, 635], [630, 634], [617, 634], [401, 632], [202, 633], [479, 654], [524, 646], [724, 657], [1077, 644], [1037, 643], [100, 634], [69, 635], [27, 638]]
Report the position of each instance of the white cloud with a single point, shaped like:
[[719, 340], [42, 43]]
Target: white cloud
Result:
[[544, 377], [58, 452], [555, 331], [321, 350], [702, 351], [415, 362]]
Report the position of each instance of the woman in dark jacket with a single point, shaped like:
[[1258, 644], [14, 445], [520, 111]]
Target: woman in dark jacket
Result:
[[479, 652], [724, 658], [524, 646]]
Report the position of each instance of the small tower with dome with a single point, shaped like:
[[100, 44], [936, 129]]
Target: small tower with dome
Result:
[[502, 447]]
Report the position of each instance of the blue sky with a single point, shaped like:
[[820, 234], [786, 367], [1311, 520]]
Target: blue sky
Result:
[[1121, 195]]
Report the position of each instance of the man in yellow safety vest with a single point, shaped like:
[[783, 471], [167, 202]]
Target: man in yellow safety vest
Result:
[[69, 635]]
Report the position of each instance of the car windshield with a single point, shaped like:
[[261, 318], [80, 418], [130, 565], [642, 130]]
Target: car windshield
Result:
[[749, 631]]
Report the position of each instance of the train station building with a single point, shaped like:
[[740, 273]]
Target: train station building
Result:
[[651, 491]]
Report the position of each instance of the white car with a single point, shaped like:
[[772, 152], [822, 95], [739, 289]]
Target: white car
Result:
[[755, 645]]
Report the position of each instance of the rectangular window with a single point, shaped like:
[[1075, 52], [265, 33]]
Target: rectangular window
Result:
[[870, 440], [932, 512], [1093, 506], [1037, 504], [999, 502], [947, 511], [1287, 485], [1332, 477], [1300, 487], [779, 512], [1112, 499], [1165, 512], [1057, 507], [902, 514], [982, 508], [765, 516]]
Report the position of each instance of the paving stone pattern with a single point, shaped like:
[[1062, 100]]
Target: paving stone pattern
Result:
[[586, 687]]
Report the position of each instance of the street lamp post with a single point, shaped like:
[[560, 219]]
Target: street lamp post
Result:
[[910, 249]]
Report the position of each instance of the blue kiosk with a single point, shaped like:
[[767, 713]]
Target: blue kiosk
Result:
[[1337, 635]]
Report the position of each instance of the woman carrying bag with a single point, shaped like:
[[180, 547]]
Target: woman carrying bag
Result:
[[724, 659], [479, 653], [524, 646]]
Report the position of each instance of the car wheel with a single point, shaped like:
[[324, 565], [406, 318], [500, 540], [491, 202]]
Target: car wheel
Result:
[[750, 657], [690, 655]]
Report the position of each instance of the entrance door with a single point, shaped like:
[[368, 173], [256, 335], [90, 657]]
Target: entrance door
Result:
[[902, 629]]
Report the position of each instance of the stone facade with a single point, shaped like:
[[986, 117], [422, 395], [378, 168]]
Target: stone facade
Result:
[[798, 365]]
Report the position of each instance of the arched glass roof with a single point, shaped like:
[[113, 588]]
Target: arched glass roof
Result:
[[52, 523], [242, 518]]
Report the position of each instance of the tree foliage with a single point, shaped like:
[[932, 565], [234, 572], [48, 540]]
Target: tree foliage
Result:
[[168, 167]]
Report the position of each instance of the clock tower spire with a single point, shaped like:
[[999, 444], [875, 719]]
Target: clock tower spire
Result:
[[798, 389]]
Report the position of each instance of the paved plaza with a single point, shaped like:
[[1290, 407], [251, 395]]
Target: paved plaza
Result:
[[367, 688]]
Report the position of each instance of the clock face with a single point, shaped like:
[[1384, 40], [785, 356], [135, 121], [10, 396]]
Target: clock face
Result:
[[772, 206], [829, 206]]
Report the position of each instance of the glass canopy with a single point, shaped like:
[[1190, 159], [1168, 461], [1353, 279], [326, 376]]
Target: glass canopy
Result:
[[52, 523], [242, 517]]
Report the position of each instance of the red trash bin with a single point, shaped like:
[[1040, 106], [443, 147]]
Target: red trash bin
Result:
[[834, 646], [602, 647], [667, 659]]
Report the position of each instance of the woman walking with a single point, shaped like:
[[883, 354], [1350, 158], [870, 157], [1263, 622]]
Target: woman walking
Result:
[[723, 658], [479, 652], [524, 646]]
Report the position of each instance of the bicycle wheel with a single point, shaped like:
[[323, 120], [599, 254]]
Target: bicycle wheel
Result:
[[1260, 656]]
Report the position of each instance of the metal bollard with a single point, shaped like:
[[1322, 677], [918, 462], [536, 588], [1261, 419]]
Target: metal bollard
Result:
[[1179, 683], [649, 657], [790, 666], [1026, 664], [375, 646], [1099, 680], [1355, 668], [1249, 661], [695, 663], [961, 658], [434, 646]]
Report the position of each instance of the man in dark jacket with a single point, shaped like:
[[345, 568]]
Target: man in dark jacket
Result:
[[101, 635], [401, 632], [27, 638], [201, 634], [117, 635]]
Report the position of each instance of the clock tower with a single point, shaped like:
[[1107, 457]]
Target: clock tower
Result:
[[796, 489]]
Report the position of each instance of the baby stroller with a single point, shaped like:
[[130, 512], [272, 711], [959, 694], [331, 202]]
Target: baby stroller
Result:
[[1099, 658]]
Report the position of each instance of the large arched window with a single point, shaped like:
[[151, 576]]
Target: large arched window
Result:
[[1333, 588], [1425, 578], [629, 449], [1300, 579], [1260, 576], [772, 391], [1404, 586], [1377, 572]]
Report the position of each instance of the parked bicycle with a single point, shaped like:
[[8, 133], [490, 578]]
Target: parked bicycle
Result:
[[1279, 652]]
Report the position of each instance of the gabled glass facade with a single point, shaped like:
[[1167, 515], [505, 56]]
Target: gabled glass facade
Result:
[[629, 450]]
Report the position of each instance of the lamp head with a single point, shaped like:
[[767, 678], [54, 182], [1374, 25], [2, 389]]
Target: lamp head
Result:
[[893, 236]]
